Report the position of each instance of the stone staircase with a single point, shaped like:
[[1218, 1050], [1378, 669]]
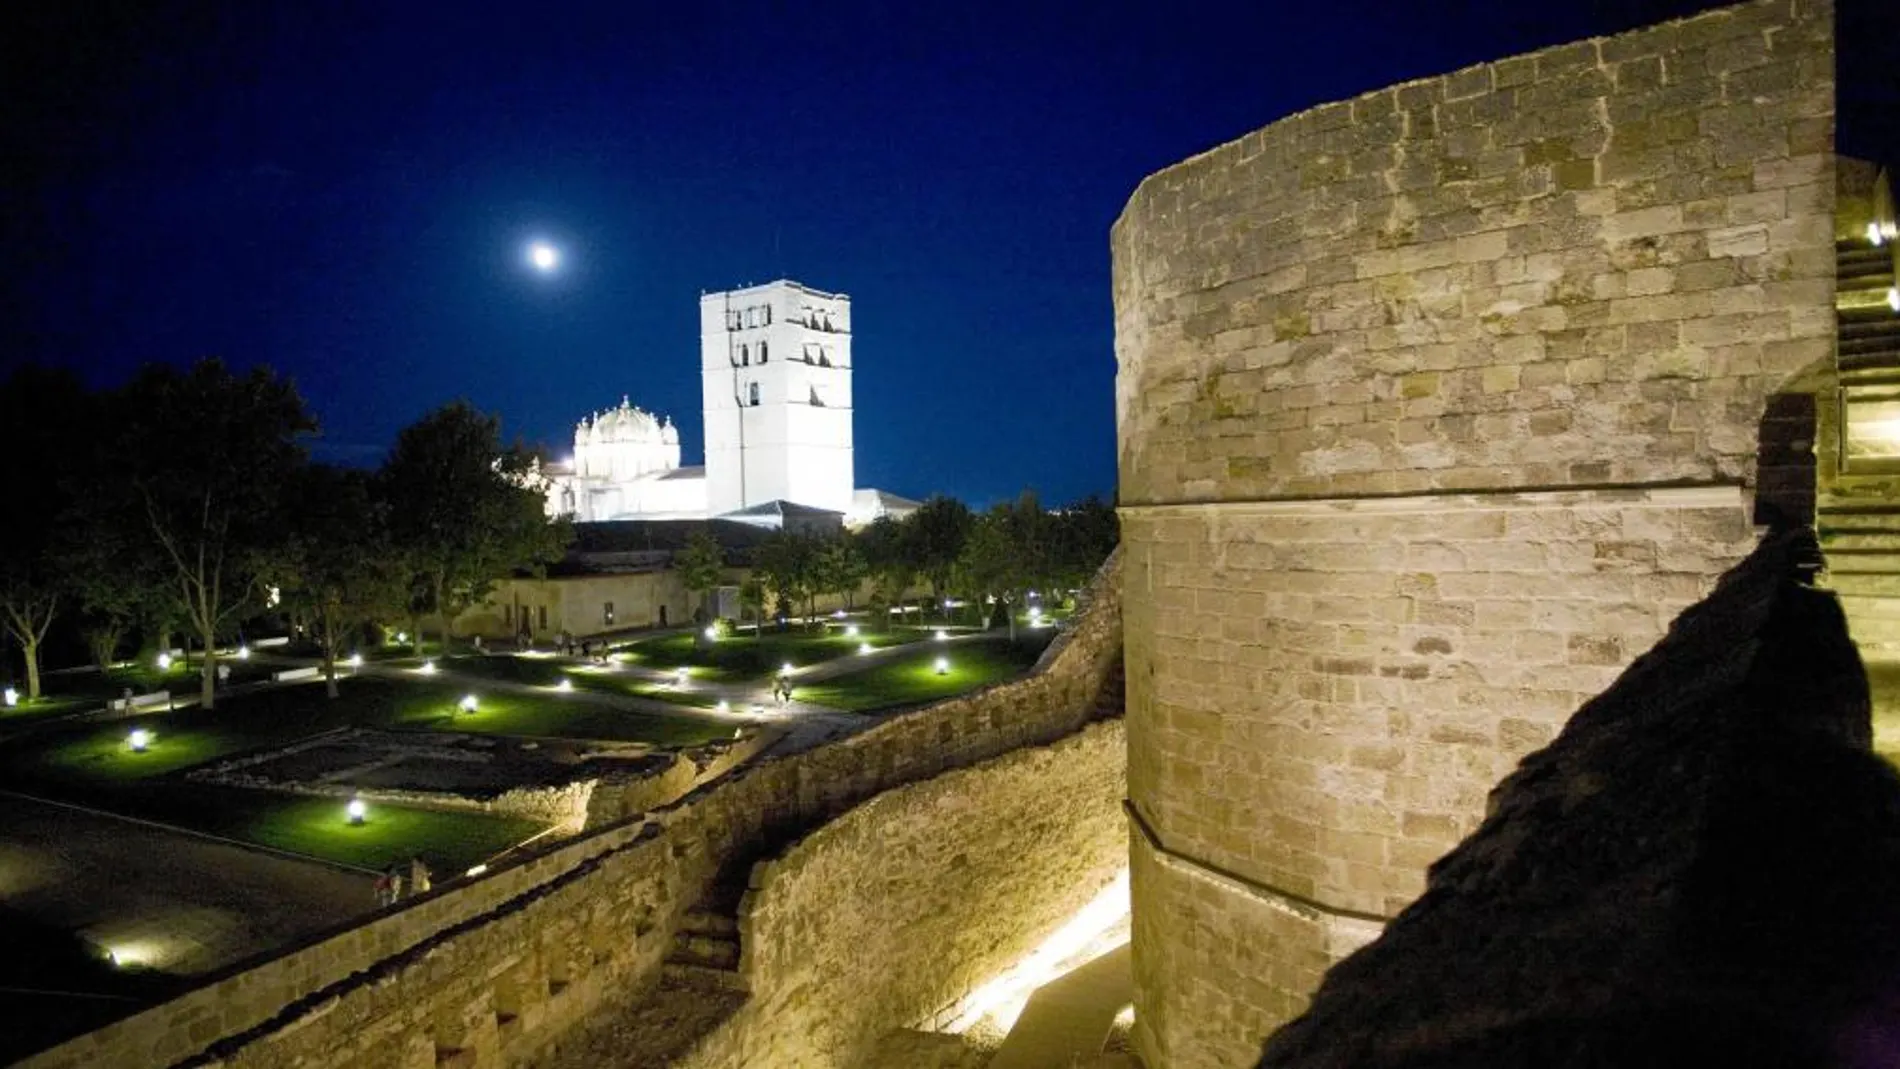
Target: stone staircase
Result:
[[1858, 518], [706, 950]]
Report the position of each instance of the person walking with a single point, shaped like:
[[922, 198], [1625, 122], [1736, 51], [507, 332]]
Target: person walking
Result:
[[385, 887]]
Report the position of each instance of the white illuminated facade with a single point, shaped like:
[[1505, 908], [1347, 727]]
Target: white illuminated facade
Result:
[[775, 385]]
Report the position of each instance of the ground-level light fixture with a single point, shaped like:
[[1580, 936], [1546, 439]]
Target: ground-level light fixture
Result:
[[10, 696], [851, 632], [475, 870], [428, 668], [682, 674], [139, 740], [357, 810], [468, 703], [712, 633], [864, 647], [724, 706], [355, 661], [164, 661], [943, 666], [401, 637], [243, 653], [785, 669], [942, 634], [565, 686]]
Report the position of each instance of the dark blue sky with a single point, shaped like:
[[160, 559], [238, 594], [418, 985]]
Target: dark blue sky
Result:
[[343, 191]]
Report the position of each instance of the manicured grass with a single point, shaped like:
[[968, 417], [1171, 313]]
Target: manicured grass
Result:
[[447, 842], [554, 716], [743, 657], [912, 678]]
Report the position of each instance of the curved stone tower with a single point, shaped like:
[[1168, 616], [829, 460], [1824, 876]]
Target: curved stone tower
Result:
[[1435, 406]]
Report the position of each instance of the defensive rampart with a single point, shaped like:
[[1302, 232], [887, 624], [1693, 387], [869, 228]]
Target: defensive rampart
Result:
[[1435, 405], [497, 971], [910, 902]]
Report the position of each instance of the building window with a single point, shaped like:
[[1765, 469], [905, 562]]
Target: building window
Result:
[[607, 614], [762, 352], [745, 356], [732, 320], [816, 401], [752, 317], [753, 393], [768, 315], [543, 614]]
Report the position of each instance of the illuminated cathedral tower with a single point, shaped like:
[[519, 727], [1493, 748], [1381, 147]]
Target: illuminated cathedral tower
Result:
[[775, 362]]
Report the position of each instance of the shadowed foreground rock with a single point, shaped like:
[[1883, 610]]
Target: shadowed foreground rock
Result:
[[1703, 869]]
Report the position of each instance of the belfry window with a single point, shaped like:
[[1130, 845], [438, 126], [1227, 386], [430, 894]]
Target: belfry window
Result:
[[745, 356], [762, 352], [753, 394]]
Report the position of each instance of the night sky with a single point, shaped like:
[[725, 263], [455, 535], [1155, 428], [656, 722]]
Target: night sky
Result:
[[345, 192]]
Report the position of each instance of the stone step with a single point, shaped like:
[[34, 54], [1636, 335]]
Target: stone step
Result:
[[700, 977], [1872, 586], [1859, 540], [1863, 322], [706, 922], [709, 951]]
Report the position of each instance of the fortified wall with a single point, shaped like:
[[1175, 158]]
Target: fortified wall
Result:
[[504, 970], [1435, 406]]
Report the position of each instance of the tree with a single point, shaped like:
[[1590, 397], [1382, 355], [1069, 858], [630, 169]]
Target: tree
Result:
[[788, 562], [840, 569], [700, 565], [338, 569], [41, 411], [463, 511], [1009, 552], [752, 595], [881, 546], [1083, 535], [208, 454], [933, 540]]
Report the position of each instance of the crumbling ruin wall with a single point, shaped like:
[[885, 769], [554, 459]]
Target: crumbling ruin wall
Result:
[[1435, 405]]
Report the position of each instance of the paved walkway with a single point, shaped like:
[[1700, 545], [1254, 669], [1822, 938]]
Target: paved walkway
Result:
[[178, 902], [1068, 1019]]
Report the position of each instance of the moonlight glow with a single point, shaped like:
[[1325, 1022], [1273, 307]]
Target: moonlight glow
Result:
[[543, 256]]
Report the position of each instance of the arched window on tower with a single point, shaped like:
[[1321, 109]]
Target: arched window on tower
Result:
[[753, 394]]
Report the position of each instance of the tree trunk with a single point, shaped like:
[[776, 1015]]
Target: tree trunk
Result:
[[32, 651], [1009, 610], [208, 677], [330, 644]]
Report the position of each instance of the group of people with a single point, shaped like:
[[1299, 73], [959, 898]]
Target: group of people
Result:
[[587, 648], [781, 690], [394, 884]]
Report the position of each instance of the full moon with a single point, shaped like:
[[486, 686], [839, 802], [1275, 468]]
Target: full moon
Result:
[[543, 256]]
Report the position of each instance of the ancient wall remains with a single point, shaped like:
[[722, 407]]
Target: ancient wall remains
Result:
[[915, 899], [1435, 406], [498, 971]]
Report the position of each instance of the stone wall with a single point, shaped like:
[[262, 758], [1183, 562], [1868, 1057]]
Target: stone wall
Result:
[[498, 971], [915, 899], [1435, 406]]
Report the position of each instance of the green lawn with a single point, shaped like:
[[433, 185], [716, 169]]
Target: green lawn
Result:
[[913, 679], [743, 657], [448, 842]]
